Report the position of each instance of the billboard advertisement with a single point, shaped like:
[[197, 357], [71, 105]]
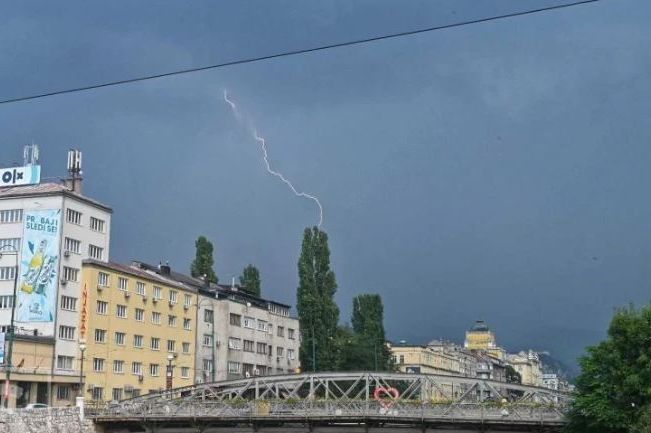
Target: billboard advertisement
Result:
[[39, 267], [14, 176]]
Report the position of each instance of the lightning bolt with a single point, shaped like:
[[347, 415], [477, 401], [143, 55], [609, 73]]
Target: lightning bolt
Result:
[[271, 171]]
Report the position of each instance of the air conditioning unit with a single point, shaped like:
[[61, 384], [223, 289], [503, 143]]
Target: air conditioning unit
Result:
[[154, 300], [170, 303], [218, 343], [186, 307], [256, 372], [141, 377], [63, 281], [144, 298], [66, 253], [100, 287], [128, 389], [127, 294]]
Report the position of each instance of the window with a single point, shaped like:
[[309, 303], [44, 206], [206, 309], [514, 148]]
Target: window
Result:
[[158, 292], [136, 368], [123, 284], [155, 343], [207, 365], [173, 296], [155, 317], [118, 366], [100, 335], [140, 288], [98, 364], [102, 307], [280, 331], [154, 369], [402, 359], [171, 345], [6, 302], [7, 272], [66, 332], [290, 333], [117, 394], [236, 320], [9, 244], [140, 315], [290, 353], [249, 322], [187, 300], [64, 362], [279, 352], [68, 303], [120, 338], [72, 216], [98, 393], [97, 224], [95, 252], [121, 311], [103, 279], [11, 216], [187, 324], [261, 348], [270, 329], [262, 326], [233, 367], [63, 392], [137, 340], [208, 316], [248, 369], [186, 347], [278, 309], [248, 346], [234, 343], [72, 245], [185, 372], [135, 392], [207, 340], [70, 274], [171, 321]]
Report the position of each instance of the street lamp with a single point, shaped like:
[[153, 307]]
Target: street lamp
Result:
[[8, 365], [82, 349], [170, 367]]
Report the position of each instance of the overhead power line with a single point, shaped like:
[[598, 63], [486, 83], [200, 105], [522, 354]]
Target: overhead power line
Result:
[[296, 52]]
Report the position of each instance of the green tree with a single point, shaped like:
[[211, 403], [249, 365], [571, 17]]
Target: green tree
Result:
[[318, 313], [512, 376], [250, 280], [203, 261], [613, 391], [368, 324]]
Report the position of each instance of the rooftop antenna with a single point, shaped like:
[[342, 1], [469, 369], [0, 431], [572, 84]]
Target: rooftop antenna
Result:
[[30, 154], [74, 169]]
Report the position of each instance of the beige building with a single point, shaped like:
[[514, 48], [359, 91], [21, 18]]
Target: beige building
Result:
[[529, 367], [424, 360], [238, 334], [139, 324]]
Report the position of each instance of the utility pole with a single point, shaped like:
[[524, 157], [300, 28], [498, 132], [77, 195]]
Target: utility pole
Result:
[[8, 365]]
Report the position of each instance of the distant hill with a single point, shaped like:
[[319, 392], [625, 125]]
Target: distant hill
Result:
[[553, 365]]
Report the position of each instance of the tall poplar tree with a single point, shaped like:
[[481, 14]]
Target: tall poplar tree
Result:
[[203, 261], [250, 280], [318, 313], [368, 324]]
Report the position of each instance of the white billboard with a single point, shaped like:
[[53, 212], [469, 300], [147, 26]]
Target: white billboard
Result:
[[15, 176]]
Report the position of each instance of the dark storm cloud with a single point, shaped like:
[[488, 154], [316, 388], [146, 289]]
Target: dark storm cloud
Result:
[[495, 171]]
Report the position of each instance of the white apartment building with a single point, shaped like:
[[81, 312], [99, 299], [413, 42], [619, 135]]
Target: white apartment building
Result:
[[53, 227]]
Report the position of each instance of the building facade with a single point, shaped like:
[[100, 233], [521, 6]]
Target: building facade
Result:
[[140, 325], [46, 231], [481, 338], [425, 360], [528, 365]]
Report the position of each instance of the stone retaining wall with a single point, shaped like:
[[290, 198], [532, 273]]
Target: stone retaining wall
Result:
[[51, 420]]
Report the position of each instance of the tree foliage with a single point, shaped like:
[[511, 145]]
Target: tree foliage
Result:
[[318, 313], [368, 325], [250, 280], [203, 261], [512, 376], [613, 391]]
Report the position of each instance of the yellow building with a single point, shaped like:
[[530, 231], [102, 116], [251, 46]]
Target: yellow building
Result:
[[423, 360], [135, 324], [480, 337]]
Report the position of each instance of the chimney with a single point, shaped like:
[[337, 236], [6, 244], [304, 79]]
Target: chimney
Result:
[[165, 269], [73, 182]]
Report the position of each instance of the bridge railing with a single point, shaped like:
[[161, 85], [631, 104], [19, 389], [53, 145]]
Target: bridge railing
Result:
[[334, 409]]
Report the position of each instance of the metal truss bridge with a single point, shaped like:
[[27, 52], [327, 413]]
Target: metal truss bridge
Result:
[[344, 402]]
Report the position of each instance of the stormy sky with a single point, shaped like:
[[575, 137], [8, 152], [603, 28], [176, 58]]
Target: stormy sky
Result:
[[497, 171]]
